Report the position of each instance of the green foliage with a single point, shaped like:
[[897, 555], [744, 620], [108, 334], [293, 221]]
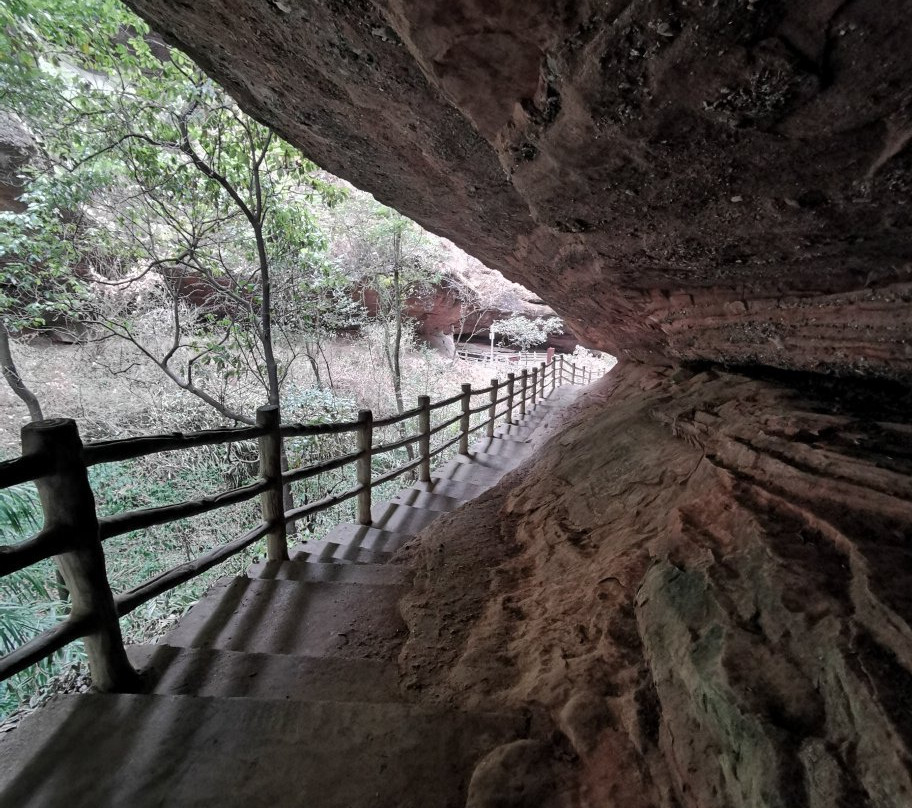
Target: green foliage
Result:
[[179, 185], [28, 602], [524, 332]]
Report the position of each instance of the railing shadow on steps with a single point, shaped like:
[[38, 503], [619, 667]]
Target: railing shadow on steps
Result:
[[54, 457]]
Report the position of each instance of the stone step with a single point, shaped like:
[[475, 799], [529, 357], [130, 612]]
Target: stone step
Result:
[[346, 550], [469, 473], [453, 489], [504, 462], [297, 618], [519, 439], [401, 518], [377, 574], [142, 751], [514, 431], [368, 537], [331, 552], [430, 502], [217, 673], [499, 446]]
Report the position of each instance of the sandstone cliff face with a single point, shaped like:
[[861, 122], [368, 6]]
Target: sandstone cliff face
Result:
[[705, 582], [721, 180]]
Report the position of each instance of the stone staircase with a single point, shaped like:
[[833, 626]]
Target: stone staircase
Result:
[[281, 687]]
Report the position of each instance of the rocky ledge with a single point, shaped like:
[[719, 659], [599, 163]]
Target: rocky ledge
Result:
[[723, 180], [704, 579]]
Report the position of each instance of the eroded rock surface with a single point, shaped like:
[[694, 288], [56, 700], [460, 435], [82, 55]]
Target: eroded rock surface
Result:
[[705, 580], [718, 180]]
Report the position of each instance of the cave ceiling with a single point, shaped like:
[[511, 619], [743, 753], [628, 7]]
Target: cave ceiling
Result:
[[717, 180]]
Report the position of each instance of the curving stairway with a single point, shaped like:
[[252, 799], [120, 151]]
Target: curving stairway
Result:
[[280, 688]]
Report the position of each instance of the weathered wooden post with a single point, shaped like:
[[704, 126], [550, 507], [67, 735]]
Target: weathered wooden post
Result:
[[365, 440], [534, 385], [272, 503], [553, 376], [464, 421], [511, 392], [69, 511], [562, 369], [541, 380], [424, 441], [524, 387], [492, 410], [573, 373]]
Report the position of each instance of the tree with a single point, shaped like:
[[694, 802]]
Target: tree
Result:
[[184, 189], [524, 332], [392, 261]]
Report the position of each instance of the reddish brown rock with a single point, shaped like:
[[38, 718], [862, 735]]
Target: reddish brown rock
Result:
[[723, 181], [705, 579]]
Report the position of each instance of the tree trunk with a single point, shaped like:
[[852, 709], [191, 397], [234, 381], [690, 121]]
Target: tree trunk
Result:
[[310, 352], [14, 380], [394, 345]]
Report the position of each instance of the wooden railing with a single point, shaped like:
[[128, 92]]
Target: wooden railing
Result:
[[56, 459], [483, 355]]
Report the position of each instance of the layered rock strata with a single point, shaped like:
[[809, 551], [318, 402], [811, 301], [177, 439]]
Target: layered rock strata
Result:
[[704, 579]]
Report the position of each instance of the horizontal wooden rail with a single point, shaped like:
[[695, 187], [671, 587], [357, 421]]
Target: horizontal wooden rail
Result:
[[45, 644], [317, 430], [399, 444], [447, 402], [323, 504], [110, 526], [32, 550], [475, 428], [445, 446], [446, 424], [23, 470], [55, 458], [396, 472], [392, 420], [112, 451], [128, 601], [306, 472]]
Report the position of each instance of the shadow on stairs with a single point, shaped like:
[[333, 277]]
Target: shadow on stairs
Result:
[[280, 688]]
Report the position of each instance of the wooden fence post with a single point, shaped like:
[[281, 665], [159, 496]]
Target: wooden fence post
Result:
[[511, 392], [573, 373], [524, 387], [553, 376], [534, 385], [562, 369], [365, 438], [541, 380], [69, 509], [272, 503], [492, 410], [464, 422], [424, 441]]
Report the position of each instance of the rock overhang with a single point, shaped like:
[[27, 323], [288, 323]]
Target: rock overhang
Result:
[[723, 182]]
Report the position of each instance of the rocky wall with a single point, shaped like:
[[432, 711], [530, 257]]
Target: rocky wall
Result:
[[704, 580]]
